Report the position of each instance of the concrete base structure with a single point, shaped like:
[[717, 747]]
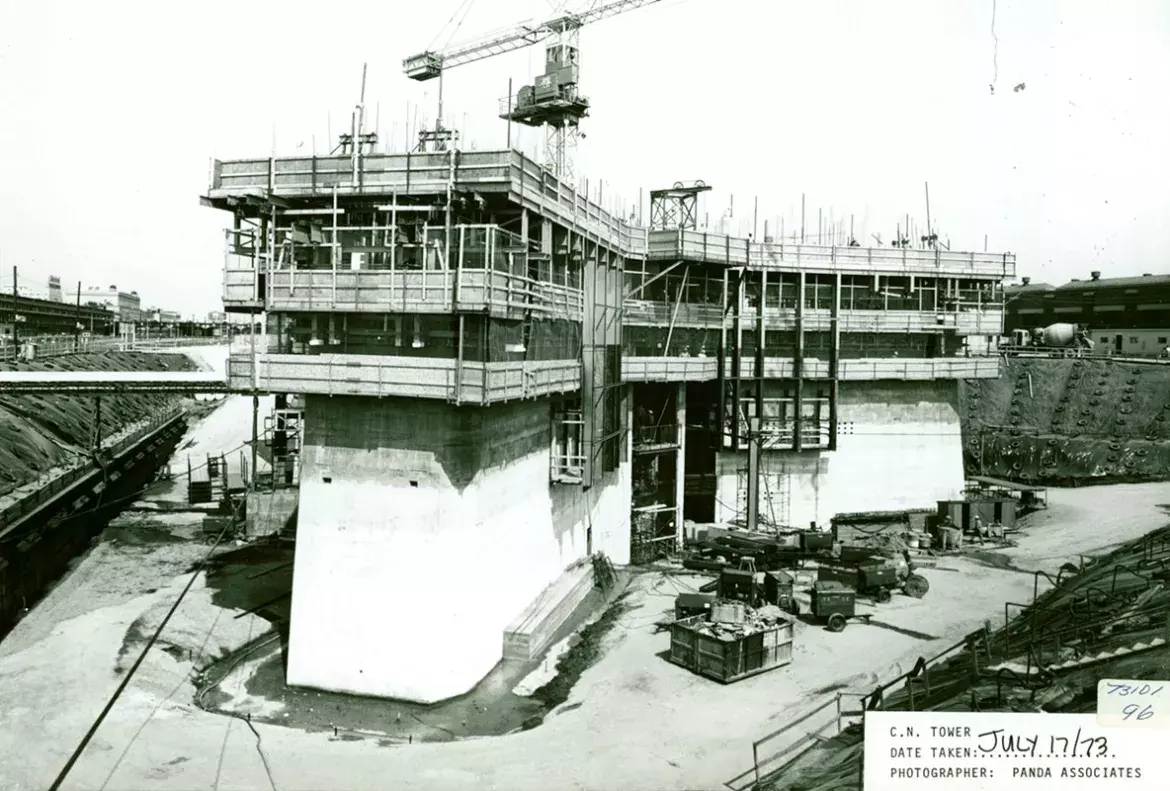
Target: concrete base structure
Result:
[[531, 632], [423, 530], [269, 511], [899, 446]]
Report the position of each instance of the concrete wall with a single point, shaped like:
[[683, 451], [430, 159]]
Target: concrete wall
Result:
[[423, 530], [900, 446], [269, 511]]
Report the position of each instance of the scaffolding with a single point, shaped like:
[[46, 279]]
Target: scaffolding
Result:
[[282, 436], [677, 207], [568, 457]]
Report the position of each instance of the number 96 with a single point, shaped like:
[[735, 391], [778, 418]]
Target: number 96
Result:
[[1137, 712]]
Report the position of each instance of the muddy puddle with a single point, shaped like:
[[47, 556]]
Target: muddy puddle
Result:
[[250, 681]]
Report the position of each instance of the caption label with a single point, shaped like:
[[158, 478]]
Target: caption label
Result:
[[1129, 703], [1005, 751]]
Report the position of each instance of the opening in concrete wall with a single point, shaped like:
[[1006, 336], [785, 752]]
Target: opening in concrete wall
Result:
[[704, 435]]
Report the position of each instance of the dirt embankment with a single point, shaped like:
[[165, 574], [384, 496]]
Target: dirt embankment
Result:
[[39, 432], [1069, 422]]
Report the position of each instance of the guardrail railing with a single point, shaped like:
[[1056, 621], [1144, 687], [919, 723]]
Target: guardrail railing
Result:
[[770, 763], [23, 500], [1079, 354]]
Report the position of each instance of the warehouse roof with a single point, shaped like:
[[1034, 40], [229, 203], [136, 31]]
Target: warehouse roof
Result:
[[1117, 282], [1028, 288]]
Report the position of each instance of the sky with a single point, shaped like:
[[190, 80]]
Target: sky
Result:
[[111, 113]]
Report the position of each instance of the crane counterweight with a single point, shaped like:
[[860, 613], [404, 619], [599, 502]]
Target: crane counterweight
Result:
[[424, 66]]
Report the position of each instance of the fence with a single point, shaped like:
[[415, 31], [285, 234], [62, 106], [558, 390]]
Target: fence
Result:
[[777, 751]]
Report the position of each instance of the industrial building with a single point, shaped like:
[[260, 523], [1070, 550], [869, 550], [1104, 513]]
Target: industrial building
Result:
[[34, 316], [125, 305], [1124, 315]]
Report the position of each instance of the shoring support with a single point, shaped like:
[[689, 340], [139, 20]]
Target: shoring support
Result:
[[256, 440], [737, 362], [835, 360], [635, 292], [682, 289], [759, 356], [719, 430], [753, 492], [798, 368]]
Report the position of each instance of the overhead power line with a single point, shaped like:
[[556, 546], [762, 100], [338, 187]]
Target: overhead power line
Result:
[[134, 668]]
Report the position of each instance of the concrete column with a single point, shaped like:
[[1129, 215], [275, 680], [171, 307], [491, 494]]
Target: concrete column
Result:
[[546, 237], [390, 487], [680, 466], [798, 367], [753, 492], [834, 360]]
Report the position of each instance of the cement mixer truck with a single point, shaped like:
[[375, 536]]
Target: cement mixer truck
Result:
[[1056, 340]]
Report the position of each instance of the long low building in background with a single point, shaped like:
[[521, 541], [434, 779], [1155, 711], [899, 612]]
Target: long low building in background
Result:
[[1128, 316]]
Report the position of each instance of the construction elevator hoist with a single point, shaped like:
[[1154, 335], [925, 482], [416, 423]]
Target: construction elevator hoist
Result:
[[552, 103]]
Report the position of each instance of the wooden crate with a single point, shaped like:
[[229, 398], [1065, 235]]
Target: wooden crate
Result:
[[730, 660]]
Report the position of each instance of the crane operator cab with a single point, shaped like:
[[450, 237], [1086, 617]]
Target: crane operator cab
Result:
[[559, 80]]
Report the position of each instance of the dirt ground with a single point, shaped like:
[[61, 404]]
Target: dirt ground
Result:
[[44, 433], [632, 721], [1069, 422], [250, 681]]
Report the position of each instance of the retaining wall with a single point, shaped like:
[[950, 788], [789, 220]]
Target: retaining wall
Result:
[[1069, 422]]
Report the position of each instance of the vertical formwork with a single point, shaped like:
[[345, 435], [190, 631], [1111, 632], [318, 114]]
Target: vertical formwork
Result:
[[834, 359], [603, 397]]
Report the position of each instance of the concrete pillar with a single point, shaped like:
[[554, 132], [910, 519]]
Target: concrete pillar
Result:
[[423, 530], [680, 465], [546, 237]]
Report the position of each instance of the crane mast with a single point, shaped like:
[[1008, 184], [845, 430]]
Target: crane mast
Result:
[[552, 103]]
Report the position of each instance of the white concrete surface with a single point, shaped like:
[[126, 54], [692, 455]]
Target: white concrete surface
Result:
[[208, 358], [385, 536], [899, 446], [228, 428]]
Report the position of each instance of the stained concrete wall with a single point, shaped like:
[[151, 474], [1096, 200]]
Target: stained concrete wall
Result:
[[423, 530], [899, 446], [269, 511]]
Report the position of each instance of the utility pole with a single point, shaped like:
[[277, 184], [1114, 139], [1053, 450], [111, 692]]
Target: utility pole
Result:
[[753, 492], [77, 321], [256, 441], [802, 218], [15, 332]]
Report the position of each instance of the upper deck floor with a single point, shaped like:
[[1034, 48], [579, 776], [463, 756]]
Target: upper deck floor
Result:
[[526, 184]]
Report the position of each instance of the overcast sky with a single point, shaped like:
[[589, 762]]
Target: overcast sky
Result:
[[111, 111]]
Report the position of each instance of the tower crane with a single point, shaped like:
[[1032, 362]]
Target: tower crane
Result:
[[552, 103]]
